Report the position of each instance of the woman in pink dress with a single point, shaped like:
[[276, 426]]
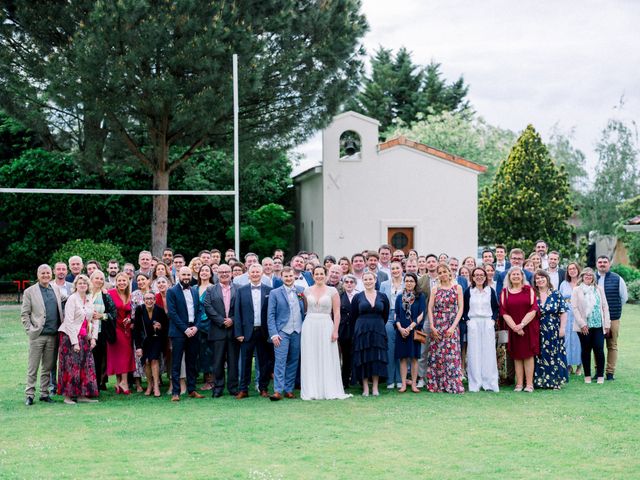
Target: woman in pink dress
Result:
[[120, 359]]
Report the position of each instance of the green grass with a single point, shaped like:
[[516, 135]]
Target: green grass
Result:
[[583, 431]]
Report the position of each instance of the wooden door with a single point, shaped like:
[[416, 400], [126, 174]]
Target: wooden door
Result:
[[400, 238]]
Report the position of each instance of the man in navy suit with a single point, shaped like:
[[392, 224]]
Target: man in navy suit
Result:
[[502, 264], [184, 311], [251, 330], [301, 278], [284, 318], [219, 305]]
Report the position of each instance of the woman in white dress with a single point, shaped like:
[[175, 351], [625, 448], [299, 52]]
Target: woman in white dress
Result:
[[320, 377]]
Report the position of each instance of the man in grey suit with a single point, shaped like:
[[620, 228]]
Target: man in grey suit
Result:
[[284, 319], [219, 305], [41, 316]]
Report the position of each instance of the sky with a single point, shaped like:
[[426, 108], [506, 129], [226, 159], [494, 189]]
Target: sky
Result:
[[563, 62]]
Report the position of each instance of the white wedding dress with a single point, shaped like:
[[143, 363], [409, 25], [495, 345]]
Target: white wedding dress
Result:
[[320, 377]]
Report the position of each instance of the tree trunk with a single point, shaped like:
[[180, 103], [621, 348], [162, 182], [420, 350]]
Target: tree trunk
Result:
[[160, 216]]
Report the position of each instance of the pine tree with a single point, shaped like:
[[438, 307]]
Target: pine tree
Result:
[[528, 199]]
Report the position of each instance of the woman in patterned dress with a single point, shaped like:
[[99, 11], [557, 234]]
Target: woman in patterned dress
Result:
[[571, 340], [551, 364], [78, 333], [444, 367]]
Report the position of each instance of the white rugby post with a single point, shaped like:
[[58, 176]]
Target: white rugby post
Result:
[[236, 176], [236, 159]]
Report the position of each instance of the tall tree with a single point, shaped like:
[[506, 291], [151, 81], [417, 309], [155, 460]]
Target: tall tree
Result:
[[528, 199], [157, 74], [617, 177], [398, 89]]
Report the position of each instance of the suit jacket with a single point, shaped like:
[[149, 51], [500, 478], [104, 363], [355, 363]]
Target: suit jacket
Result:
[[177, 310], [278, 310], [345, 329], [500, 278], [308, 277], [32, 313], [214, 308], [244, 313]]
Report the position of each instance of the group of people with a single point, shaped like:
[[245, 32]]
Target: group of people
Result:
[[322, 326]]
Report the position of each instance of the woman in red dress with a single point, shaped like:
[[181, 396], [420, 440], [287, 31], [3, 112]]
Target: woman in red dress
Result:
[[120, 359], [519, 309]]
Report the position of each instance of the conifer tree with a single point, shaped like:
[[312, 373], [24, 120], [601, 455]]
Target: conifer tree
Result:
[[528, 199]]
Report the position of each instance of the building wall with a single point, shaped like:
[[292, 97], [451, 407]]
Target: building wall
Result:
[[310, 206], [398, 187]]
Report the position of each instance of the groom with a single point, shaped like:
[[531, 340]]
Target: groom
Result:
[[284, 319]]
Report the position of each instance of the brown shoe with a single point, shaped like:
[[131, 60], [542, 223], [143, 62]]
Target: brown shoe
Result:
[[264, 394], [175, 398], [275, 397], [195, 394], [242, 395], [289, 395]]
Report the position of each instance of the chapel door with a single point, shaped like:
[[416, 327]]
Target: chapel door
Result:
[[400, 238]]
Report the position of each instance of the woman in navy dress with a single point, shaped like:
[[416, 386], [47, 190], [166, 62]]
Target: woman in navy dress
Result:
[[551, 364], [409, 313], [370, 310]]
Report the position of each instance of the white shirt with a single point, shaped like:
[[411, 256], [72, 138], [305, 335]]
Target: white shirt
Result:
[[255, 297], [188, 297], [480, 303], [555, 279], [301, 281]]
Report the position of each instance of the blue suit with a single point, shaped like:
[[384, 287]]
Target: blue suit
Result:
[[500, 277], [256, 338], [393, 364], [307, 276], [287, 355], [190, 346]]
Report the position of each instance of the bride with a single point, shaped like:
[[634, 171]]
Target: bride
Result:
[[320, 375]]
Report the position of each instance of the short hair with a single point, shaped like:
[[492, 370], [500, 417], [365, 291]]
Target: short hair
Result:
[[178, 255], [167, 249], [355, 255], [554, 252], [500, 245], [80, 276], [373, 253], [516, 251], [249, 254], [329, 258], [230, 250], [606, 257], [487, 250], [113, 260], [541, 241], [287, 268], [254, 266], [350, 276], [44, 266], [369, 272], [584, 272], [384, 246], [203, 251], [429, 255], [56, 264], [96, 263], [144, 252], [508, 276], [215, 250]]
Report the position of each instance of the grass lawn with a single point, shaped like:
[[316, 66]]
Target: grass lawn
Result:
[[583, 431]]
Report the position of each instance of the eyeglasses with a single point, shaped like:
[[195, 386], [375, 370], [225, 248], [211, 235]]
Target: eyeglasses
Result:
[[348, 281]]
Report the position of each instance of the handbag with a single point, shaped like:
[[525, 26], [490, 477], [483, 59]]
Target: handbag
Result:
[[503, 337], [419, 336]]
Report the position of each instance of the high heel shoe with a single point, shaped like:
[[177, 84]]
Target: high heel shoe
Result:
[[125, 392], [118, 390]]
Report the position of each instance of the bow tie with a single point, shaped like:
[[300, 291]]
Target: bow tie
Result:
[[185, 287], [253, 287]]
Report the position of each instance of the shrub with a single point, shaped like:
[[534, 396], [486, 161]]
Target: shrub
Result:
[[88, 250], [634, 291], [628, 273]]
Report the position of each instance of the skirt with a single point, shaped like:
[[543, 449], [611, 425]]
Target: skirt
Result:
[[76, 370]]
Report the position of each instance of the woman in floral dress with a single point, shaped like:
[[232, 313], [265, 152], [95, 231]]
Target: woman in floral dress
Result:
[[551, 364], [444, 371]]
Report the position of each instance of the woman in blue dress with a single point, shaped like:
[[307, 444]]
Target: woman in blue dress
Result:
[[571, 340], [551, 365], [410, 308], [370, 310]]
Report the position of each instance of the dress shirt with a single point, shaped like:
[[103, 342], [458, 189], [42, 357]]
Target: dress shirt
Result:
[[256, 293], [301, 281], [555, 279], [226, 298], [188, 297], [500, 267]]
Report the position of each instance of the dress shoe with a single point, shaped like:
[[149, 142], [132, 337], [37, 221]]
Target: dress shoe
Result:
[[275, 397], [610, 376], [289, 395], [216, 394], [241, 395], [264, 394], [28, 401], [195, 394], [46, 399], [175, 398]]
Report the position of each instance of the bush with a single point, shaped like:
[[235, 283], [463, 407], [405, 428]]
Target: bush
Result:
[[634, 291], [88, 250], [628, 273]]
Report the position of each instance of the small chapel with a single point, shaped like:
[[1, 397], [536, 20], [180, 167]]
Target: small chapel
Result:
[[363, 193]]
